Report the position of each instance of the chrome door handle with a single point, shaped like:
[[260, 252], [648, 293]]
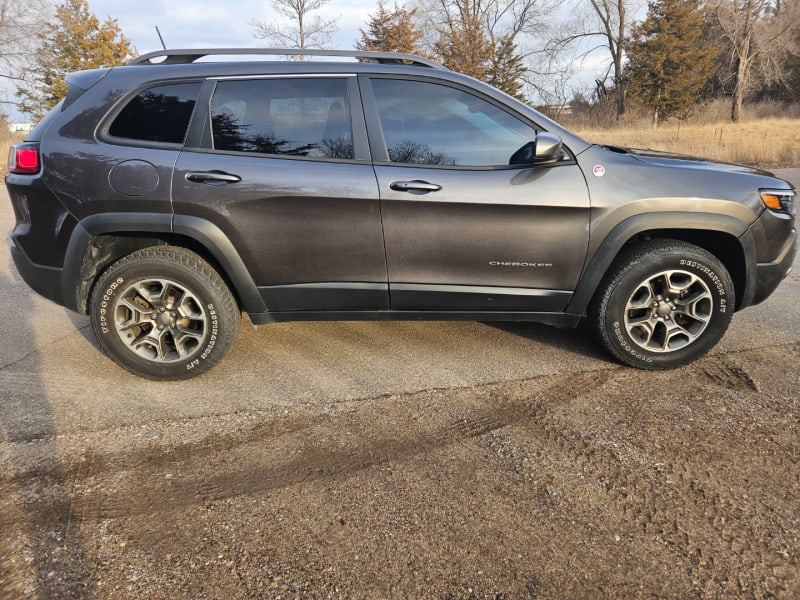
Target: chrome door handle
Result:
[[415, 186], [212, 177]]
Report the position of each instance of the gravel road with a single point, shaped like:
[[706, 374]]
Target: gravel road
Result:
[[380, 460]]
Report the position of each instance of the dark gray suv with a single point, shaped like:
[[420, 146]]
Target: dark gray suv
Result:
[[165, 197]]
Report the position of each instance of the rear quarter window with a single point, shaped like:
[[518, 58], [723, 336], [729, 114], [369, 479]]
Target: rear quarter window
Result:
[[158, 114]]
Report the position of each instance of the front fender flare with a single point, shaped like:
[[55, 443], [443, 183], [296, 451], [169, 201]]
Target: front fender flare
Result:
[[662, 223]]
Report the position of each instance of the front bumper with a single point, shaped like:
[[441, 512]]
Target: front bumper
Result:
[[770, 274]]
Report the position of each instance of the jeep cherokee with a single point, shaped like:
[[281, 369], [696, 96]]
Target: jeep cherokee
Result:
[[165, 197]]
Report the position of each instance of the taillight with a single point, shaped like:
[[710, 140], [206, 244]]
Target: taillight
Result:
[[23, 158]]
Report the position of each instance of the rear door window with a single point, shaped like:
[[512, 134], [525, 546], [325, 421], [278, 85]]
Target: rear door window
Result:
[[292, 117]]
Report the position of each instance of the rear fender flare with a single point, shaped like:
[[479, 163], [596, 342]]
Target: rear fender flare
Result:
[[205, 233], [217, 243]]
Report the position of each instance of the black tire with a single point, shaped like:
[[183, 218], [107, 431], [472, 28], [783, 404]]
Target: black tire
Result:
[[663, 304], [164, 313]]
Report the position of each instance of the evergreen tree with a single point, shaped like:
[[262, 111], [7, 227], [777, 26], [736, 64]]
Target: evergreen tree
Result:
[[668, 62], [391, 31], [77, 41], [463, 44], [507, 68], [479, 38]]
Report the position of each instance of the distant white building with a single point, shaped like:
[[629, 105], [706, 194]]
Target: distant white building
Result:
[[20, 127]]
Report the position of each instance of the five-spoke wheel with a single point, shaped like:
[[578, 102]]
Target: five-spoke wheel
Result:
[[164, 313], [668, 311], [662, 304], [160, 320]]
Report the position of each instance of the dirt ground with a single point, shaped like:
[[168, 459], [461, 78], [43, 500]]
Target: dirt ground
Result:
[[608, 483], [290, 472]]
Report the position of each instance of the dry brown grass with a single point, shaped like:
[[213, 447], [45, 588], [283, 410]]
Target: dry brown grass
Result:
[[772, 142], [6, 139], [5, 145], [766, 142]]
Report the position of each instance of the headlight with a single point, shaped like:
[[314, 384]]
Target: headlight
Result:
[[780, 200]]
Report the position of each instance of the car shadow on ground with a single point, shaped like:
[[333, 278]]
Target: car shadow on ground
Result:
[[579, 340], [46, 523]]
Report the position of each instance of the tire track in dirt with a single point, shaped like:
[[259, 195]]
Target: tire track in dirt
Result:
[[726, 374], [646, 493], [709, 515], [157, 493]]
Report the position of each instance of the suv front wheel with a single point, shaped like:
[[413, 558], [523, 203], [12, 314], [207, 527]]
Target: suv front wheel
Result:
[[663, 304], [164, 313]]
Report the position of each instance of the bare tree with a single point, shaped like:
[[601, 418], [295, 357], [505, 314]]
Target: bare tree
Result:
[[302, 31], [484, 38], [759, 35], [609, 22], [553, 78], [20, 30], [511, 19]]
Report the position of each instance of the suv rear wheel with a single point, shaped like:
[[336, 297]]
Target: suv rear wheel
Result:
[[663, 304], [164, 313]]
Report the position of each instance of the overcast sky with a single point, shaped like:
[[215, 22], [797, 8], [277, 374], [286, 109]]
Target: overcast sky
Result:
[[206, 24], [216, 23], [226, 23]]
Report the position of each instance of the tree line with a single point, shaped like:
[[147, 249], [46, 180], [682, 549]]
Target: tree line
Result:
[[668, 59]]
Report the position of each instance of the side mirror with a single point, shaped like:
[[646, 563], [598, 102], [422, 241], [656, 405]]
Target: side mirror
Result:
[[544, 149], [548, 147]]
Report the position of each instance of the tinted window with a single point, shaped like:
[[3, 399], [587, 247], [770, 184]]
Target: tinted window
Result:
[[291, 117], [431, 124], [158, 114]]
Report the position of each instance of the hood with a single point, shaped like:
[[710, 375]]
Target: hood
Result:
[[667, 159]]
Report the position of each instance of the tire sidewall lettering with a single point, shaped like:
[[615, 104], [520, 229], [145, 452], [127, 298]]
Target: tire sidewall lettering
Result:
[[716, 283], [163, 313], [717, 287], [107, 297], [622, 340], [213, 334]]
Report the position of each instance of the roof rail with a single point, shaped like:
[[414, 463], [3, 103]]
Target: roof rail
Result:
[[190, 55]]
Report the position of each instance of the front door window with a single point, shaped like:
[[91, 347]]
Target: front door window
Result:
[[437, 125]]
